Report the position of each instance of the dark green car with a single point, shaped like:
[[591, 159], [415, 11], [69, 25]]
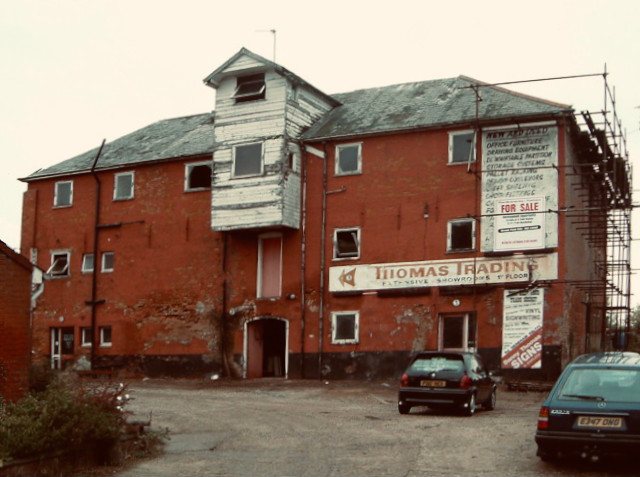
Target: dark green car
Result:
[[593, 409]]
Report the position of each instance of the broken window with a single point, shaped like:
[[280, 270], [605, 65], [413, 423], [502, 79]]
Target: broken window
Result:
[[59, 264], [86, 336], [461, 235], [63, 194], [123, 186], [198, 176], [462, 147], [348, 159], [108, 259], [346, 243], [87, 263], [247, 160], [250, 88], [105, 336], [344, 327]]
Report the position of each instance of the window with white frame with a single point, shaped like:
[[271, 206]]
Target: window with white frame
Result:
[[123, 184], [250, 88], [59, 264], [344, 327], [346, 243], [108, 259], [461, 235], [63, 194], [105, 336], [247, 160], [87, 263], [348, 159], [86, 337], [462, 147], [197, 176]]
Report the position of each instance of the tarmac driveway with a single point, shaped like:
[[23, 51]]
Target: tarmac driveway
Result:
[[277, 427]]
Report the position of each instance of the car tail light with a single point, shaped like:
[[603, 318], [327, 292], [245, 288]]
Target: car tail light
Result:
[[543, 418], [465, 382], [405, 380]]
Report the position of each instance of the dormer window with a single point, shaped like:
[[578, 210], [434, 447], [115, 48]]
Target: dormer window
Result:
[[250, 88]]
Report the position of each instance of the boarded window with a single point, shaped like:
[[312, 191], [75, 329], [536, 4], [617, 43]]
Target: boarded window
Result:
[[250, 88], [346, 243], [344, 327], [270, 267], [63, 194], [198, 176], [247, 160]]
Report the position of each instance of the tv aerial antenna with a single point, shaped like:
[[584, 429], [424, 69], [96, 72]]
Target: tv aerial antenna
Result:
[[273, 32]]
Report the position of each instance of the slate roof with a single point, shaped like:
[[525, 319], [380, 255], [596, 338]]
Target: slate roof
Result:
[[396, 108], [166, 139], [425, 104]]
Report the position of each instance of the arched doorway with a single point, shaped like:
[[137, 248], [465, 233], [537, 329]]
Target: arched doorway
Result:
[[265, 348]]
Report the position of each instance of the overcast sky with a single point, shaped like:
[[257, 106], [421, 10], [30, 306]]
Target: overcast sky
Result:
[[76, 72]]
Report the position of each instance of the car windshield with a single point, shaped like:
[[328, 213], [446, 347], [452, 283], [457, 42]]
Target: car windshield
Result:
[[431, 364], [602, 384]]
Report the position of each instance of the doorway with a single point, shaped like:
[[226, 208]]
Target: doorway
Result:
[[62, 343], [265, 348], [457, 332]]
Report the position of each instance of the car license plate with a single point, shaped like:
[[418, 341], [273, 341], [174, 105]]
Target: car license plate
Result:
[[600, 422], [429, 383]]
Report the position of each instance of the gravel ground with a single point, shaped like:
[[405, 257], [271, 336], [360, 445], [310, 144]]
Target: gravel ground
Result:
[[341, 428]]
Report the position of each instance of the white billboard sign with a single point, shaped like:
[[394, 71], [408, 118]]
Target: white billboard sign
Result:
[[522, 329], [519, 224]]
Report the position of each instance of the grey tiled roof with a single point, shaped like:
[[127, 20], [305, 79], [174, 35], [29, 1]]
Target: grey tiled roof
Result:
[[424, 104], [167, 139]]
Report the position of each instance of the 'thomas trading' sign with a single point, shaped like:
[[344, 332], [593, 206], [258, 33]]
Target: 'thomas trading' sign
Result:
[[441, 273]]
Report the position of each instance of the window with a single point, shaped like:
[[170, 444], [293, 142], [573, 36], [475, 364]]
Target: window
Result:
[[269, 266], [344, 327], [348, 159], [59, 264], [123, 186], [87, 263], [346, 243], [107, 262], [105, 336], [86, 337], [63, 194], [197, 176], [250, 88], [247, 160], [461, 235], [462, 147]]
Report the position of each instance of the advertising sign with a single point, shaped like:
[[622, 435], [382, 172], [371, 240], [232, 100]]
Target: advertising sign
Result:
[[440, 273], [522, 329], [519, 224], [519, 165]]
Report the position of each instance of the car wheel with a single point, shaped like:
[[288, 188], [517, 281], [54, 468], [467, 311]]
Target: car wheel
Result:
[[403, 408], [547, 455], [490, 404], [470, 407]]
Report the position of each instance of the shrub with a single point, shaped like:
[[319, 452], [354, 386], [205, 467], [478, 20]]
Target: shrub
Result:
[[59, 418]]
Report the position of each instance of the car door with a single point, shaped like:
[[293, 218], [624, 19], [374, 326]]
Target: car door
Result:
[[482, 379]]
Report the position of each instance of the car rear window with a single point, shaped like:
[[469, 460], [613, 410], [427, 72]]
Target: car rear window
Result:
[[621, 385], [437, 363]]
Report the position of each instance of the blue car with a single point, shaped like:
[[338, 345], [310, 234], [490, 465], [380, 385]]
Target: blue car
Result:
[[593, 410]]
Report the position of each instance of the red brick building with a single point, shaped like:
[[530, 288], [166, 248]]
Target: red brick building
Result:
[[294, 233], [15, 323]]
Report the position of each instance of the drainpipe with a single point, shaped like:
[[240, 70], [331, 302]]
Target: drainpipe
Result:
[[94, 277], [303, 257], [223, 314], [322, 258]]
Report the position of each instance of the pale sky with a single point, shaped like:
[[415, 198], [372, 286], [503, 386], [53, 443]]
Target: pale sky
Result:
[[76, 72]]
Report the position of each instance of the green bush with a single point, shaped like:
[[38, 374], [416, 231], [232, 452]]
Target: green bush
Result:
[[60, 418]]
